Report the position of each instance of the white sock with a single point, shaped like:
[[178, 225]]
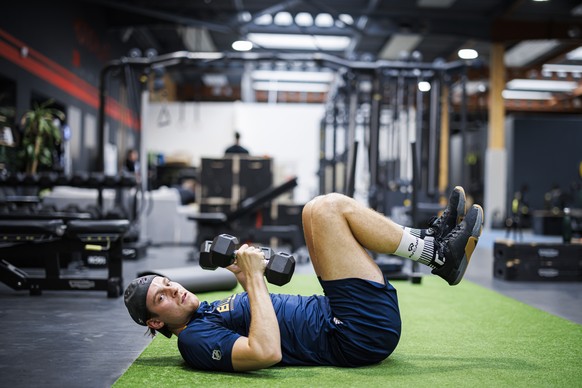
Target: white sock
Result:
[[415, 248]]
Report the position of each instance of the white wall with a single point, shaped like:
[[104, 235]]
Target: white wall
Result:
[[289, 133]]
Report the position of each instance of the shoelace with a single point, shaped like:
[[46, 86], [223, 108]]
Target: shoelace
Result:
[[435, 222], [456, 230]]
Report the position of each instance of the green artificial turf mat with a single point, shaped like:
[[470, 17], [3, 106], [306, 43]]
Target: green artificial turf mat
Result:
[[462, 336]]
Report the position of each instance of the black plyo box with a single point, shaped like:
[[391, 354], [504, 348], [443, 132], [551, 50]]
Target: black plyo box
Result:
[[537, 261], [255, 176], [216, 178]]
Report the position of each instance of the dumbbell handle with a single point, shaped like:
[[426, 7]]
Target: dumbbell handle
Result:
[[268, 252]]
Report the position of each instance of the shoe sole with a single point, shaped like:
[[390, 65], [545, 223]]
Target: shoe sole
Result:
[[461, 206], [470, 246]]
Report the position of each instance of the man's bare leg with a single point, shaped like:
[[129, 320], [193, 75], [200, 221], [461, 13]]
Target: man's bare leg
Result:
[[338, 229]]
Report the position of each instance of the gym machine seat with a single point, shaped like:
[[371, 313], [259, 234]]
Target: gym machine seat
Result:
[[51, 238]]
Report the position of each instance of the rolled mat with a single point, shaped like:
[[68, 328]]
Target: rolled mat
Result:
[[195, 280]]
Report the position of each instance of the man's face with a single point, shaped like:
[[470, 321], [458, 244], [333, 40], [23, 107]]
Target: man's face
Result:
[[172, 303]]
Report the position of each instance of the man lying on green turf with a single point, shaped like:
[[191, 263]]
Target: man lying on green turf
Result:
[[356, 323]]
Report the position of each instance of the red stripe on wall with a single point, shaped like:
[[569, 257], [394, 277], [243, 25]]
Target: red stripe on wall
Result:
[[32, 53], [44, 68]]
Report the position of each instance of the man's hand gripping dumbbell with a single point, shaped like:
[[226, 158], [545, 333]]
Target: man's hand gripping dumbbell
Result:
[[222, 252]]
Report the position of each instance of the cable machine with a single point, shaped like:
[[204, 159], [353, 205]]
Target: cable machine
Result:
[[395, 108], [382, 105]]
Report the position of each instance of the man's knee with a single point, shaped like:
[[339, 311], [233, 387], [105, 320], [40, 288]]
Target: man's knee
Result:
[[327, 205]]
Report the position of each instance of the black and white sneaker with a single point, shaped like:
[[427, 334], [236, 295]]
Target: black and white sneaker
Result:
[[453, 251], [451, 216]]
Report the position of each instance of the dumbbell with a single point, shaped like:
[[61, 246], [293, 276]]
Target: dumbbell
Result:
[[205, 259], [221, 252]]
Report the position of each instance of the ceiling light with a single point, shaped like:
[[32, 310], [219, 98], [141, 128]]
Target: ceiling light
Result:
[[577, 10], [300, 42], [304, 19], [424, 86], [397, 44], [324, 20], [542, 85], [575, 55], [283, 19], [291, 86], [467, 54], [264, 20], [245, 17], [527, 51], [539, 1], [560, 68], [304, 76], [525, 95], [347, 19], [242, 45]]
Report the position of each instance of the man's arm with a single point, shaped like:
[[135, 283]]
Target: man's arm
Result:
[[262, 348]]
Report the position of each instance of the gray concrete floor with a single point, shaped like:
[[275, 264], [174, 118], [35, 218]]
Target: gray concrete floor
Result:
[[84, 339]]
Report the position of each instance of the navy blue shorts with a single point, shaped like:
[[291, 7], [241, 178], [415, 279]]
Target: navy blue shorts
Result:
[[367, 320]]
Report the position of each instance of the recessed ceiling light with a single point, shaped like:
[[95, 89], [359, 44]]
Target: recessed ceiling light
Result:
[[283, 19], [467, 54], [300, 42], [304, 19], [242, 45], [575, 55], [542, 85], [424, 86], [525, 95], [347, 19], [245, 16], [560, 68], [527, 51], [264, 20], [324, 20]]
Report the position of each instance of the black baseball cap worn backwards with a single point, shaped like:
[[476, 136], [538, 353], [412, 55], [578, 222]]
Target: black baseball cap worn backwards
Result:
[[135, 298]]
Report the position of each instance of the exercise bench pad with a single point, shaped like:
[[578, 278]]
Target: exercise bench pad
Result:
[[77, 227], [31, 230]]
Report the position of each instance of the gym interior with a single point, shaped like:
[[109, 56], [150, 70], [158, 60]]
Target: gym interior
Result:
[[116, 117]]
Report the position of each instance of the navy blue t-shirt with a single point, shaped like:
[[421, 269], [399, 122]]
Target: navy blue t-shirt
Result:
[[357, 322], [304, 321]]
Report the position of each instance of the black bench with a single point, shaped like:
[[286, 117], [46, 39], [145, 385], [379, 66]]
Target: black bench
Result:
[[53, 238]]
